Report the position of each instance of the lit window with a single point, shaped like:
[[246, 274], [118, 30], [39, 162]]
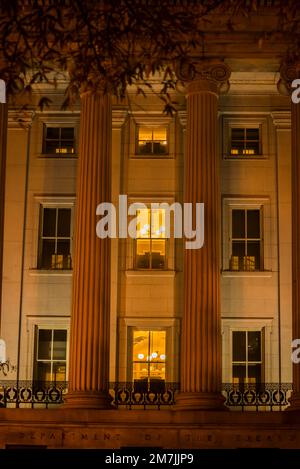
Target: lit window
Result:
[[50, 355], [246, 240], [55, 238], [149, 359], [150, 250], [59, 140], [246, 357], [245, 141], [152, 140]]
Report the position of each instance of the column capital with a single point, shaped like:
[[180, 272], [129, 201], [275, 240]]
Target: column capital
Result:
[[205, 75], [289, 71]]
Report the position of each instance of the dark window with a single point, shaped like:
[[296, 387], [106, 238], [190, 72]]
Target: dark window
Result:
[[245, 141], [246, 240], [246, 357], [51, 355], [55, 238], [59, 140]]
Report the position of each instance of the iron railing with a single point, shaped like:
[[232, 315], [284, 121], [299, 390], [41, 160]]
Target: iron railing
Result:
[[144, 395], [31, 394]]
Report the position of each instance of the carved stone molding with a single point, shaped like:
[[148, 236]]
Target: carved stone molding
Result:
[[289, 71], [205, 75]]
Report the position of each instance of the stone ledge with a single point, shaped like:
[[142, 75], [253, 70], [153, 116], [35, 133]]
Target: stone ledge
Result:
[[71, 428]]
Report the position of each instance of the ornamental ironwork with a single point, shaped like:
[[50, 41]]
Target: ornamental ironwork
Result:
[[142, 394], [263, 396]]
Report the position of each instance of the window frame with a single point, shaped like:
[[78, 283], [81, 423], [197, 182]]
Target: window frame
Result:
[[138, 153], [59, 126], [246, 362], [147, 362], [57, 119], [52, 361], [55, 238], [46, 322], [230, 324], [150, 251], [65, 201], [246, 239], [242, 156], [237, 202], [246, 121]]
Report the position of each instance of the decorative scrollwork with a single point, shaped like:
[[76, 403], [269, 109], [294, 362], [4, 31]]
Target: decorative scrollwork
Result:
[[203, 73], [6, 367]]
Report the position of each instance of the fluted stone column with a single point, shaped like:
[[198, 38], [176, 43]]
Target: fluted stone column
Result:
[[3, 139], [89, 347], [201, 325], [289, 72]]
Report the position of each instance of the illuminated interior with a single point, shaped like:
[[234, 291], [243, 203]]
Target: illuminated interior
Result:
[[149, 355], [150, 239], [152, 140]]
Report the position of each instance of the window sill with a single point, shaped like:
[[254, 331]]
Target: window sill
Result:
[[150, 273], [45, 156], [47, 273], [245, 158], [245, 274], [152, 157]]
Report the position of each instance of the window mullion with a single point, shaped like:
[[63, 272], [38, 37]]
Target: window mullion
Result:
[[51, 356], [247, 362]]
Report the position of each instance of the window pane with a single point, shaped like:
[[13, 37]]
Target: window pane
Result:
[[141, 371], [253, 223], [252, 134], [52, 133], [47, 259], [159, 148], [143, 223], [158, 371], [237, 148], [44, 344], [253, 251], [238, 224], [252, 148], [60, 345], [254, 374], [254, 346], [143, 253], [160, 134], [64, 222], [140, 346], [59, 371], [239, 346], [52, 146], [43, 372], [158, 223], [49, 222], [145, 148], [158, 345], [237, 133], [67, 133], [238, 248], [145, 134], [239, 374], [158, 254], [63, 257], [67, 146]]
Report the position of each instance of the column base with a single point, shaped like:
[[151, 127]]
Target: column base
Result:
[[88, 400], [294, 403], [200, 401]]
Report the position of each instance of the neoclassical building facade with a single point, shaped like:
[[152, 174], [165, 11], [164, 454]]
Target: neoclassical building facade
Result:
[[95, 327]]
